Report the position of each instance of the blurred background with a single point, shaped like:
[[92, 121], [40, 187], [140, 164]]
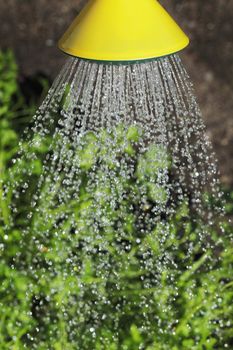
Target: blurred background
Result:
[[31, 30]]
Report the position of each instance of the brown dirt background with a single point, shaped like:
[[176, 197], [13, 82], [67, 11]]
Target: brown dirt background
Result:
[[32, 27]]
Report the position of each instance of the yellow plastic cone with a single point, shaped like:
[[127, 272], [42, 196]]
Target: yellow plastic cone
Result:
[[123, 30]]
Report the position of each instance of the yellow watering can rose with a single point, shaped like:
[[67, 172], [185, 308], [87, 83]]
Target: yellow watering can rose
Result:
[[110, 30]]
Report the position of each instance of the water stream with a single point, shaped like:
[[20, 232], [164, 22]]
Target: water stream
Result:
[[123, 173]]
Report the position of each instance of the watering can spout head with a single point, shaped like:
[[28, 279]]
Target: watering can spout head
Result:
[[123, 30]]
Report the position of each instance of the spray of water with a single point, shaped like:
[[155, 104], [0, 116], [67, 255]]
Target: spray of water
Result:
[[121, 206]]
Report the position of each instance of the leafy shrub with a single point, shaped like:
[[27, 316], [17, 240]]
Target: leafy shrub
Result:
[[93, 290]]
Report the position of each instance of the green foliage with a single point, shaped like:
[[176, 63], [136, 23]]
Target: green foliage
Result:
[[190, 309]]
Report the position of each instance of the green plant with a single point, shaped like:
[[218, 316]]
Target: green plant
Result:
[[67, 286], [15, 317]]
